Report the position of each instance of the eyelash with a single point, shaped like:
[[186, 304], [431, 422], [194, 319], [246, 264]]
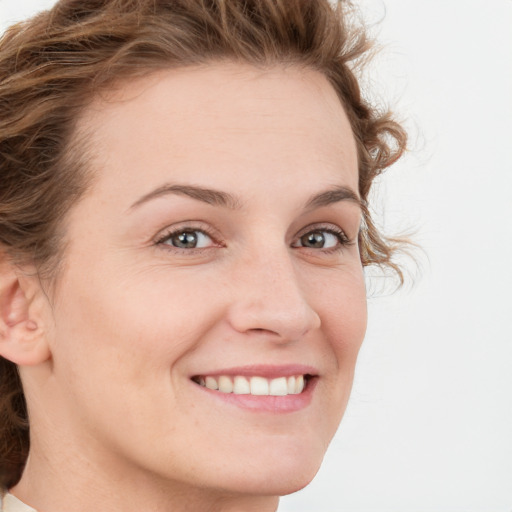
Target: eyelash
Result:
[[342, 238]]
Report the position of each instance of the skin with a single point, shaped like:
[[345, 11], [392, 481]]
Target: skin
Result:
[[115, 416]]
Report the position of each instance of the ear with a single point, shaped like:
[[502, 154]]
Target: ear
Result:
[[22, 339]]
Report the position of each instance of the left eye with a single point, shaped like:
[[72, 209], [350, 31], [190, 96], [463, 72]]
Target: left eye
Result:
[[188, 239], [320, 239]]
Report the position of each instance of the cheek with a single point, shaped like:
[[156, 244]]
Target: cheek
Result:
[[344, 318], [117, 343], [342, 306], [132, 330]]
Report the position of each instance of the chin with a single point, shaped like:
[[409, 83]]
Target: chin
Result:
[[281, 483], [295, 482], [274, 484], [278, 475]]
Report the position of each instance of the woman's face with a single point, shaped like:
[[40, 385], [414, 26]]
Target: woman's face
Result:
[[217, 246]]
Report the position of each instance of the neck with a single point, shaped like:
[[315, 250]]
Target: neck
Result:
[[77, 484]]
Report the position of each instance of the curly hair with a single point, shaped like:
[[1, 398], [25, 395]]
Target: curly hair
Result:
[[53, 65]]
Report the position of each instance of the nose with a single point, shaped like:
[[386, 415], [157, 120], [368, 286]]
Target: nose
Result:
[[271, 299]]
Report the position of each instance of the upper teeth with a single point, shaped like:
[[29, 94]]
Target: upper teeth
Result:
[[240, 385]]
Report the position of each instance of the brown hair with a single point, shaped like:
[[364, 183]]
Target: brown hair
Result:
[[51, 67]]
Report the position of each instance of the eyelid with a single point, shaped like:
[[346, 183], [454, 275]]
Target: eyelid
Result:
[[323, 226]]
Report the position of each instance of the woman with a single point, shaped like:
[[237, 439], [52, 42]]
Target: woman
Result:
[[183, 227]]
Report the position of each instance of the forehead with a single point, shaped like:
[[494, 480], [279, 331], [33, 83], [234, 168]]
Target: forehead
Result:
[[223, 120]]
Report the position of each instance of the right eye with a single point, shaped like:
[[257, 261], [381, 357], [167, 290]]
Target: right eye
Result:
[[185, 238]]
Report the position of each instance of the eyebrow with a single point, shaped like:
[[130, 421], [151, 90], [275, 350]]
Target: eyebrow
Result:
[[206, 195], [224, 199], [334, 195]]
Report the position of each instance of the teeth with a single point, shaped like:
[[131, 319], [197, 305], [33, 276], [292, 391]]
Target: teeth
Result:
[[278, 387], [257, 386], [299, 384], [241, 386], [211, 383], [225, 384], [291, 385]]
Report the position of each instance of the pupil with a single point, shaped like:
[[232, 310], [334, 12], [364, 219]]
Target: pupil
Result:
[[316, 240], [186, 240]]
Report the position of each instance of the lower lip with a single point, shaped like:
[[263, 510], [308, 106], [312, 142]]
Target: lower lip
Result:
[[266, 403]]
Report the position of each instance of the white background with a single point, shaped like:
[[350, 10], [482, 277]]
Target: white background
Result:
[[429, 425]]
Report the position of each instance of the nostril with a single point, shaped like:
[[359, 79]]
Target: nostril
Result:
[[260, 330], [283, 318]]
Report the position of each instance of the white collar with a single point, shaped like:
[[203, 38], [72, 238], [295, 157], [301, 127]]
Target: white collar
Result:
[[12, 504]]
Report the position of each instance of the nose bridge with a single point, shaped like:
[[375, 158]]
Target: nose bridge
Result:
[[270, 296]]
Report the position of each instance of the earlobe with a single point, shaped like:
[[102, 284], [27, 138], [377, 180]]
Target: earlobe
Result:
[[22, 339]]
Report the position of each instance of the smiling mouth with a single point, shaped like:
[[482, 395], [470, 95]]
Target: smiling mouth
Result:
[[256, 386]]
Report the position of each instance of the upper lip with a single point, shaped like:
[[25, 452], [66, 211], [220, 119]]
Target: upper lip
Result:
[[264, 370]]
